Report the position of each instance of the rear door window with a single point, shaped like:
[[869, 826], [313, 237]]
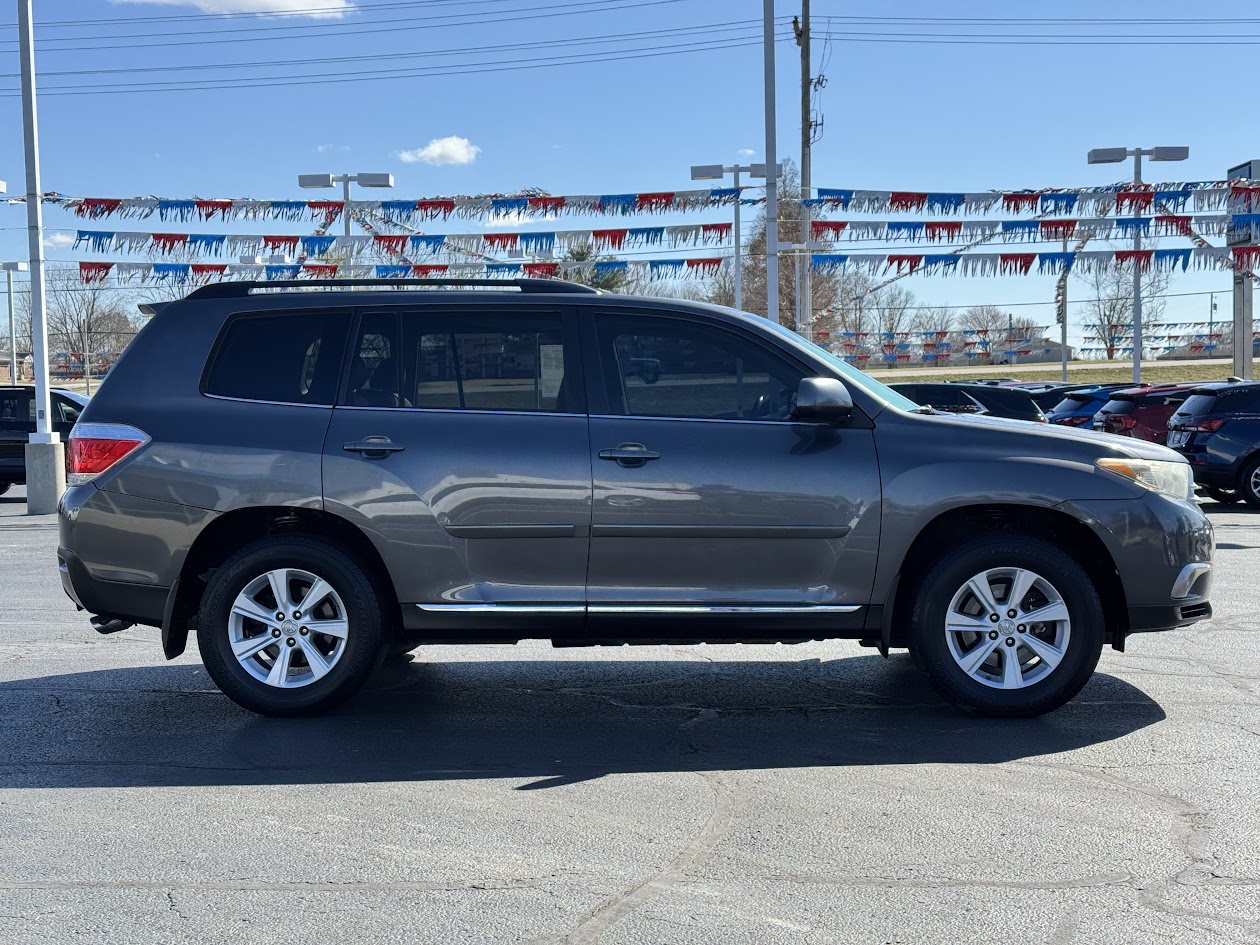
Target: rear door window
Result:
[[290, 358], [17, 409]]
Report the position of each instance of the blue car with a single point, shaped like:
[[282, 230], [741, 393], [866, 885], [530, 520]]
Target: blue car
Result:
[[1077, 408], [1217, 428]]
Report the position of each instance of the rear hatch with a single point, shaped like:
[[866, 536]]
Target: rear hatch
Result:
[[1116, 415], [1073, 409], [1197, 418]]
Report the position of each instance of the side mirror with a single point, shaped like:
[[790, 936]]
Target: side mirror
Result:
[[823, 400]]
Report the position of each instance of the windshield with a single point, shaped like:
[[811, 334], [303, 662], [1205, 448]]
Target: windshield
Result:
[[849, 373]]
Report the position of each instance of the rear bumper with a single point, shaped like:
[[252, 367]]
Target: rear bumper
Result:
[[135, 603]]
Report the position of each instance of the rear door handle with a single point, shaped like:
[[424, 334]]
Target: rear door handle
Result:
[[629, 454], [373, 447]]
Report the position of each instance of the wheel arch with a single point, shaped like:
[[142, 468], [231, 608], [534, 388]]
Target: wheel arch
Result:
[[231, 531], [1053, 525]]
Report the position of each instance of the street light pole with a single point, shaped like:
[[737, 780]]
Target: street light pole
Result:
[[9, 269], [345, 180], [772, 149], [1115, 156], [717, 172], [45, 454]]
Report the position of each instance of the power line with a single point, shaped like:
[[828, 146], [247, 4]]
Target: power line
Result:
[[952, 40], [388, 74], [739, 26], [555, 10]]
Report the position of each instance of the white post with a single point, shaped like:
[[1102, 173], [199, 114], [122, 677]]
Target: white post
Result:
[[45, 466], [772, 167], [13, 379], [1063, 310], [1137, 277], [345, 198], [1243, 327], [739, 261]]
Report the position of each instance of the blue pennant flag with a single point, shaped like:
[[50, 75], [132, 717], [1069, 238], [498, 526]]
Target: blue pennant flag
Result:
[[1058, 203], [618, 203], [1172, 199], [832, 195], [1172, 258], [502, 205], [206, 242], [171, 272], [1021, 226], [98, 241], [723, 194], [317, 245], [288, 209], [943, 203], [392, 272], [538, 244], [1054, 262], [1127, 225], [176, 209], [610, 266], [503, 269], [427, 244], [666, 267], [398, 209], [650, 235], [941, 260], [827, 260], [280, 272], [897, 229]]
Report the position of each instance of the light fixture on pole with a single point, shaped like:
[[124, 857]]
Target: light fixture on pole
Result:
[[9, 269], [332, 180], [1115, 156], [717, 172]]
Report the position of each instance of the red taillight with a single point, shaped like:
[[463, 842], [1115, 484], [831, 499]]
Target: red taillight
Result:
[[1204, 426], [1120, 423], [1075, 421], [95, 448]]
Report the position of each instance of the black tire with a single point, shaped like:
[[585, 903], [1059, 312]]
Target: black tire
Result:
[[1223, 496], [1249, 484], [365, 638], [928, 638]]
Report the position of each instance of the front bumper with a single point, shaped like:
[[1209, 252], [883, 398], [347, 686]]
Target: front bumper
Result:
[[1162, 549]]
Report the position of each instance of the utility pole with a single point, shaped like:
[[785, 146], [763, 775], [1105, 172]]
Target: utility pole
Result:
[[804, 298], [1063, 318], [772, 165]]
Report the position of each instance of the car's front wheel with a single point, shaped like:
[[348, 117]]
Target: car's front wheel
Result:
[[290, 626], [1249, 483], [1007, 626]]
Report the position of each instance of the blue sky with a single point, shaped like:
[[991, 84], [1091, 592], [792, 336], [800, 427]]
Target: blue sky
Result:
[[897, 115]]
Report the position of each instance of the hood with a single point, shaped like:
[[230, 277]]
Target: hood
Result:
[[1051, 440]]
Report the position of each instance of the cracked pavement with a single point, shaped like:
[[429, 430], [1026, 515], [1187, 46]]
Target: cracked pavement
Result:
[[625, 796]]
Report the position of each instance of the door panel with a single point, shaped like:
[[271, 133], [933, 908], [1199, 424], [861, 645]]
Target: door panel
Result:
[[481, 505], [748, 509]]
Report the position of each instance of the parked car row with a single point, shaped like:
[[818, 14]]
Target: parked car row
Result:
[[17, 423]]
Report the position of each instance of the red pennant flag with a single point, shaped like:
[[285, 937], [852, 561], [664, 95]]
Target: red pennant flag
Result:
[[166, 242], [429, 270], [903, 200], [609, 239], [432, 209], [706, 265], [206, 270], [208, 209], [1134, 200], [1139, 257], [908, 262], [504, 242], [1057, 229], [541, 270], [653, 203], [94, 271], [942, 230], [391, 244], [717, 232], [828, 229], [320, 270], [824, 335], [329, 208], [1174, 226], [96, 207], [280, 242], [547, 204], [1018, 203], [1016, 263], [1246, 255]]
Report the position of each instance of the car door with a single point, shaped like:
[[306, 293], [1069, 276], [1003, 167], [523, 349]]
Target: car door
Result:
[[17, 423], [708, 498], [459, 446]]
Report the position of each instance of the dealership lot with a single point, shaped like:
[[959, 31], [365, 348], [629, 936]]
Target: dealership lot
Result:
[[757, 794]]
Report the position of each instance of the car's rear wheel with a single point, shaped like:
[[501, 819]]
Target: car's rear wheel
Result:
[[1007, 626], [290, 626], [1249, 483]]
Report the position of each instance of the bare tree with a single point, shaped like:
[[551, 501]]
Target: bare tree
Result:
[[1107, 313], [892, 308], [932, 318], [983, 318], [80, 317]]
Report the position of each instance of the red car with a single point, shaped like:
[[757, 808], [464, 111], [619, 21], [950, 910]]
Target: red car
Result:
[[1142, 412]]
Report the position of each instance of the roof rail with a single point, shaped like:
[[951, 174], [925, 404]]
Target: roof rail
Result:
[[238, 290]]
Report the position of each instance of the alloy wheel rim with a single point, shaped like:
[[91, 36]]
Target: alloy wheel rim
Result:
[[288, 628], [1007, 628], [1255, 482]]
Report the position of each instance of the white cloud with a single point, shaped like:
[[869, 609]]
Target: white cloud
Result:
[[746, 152], [58, 240], [441, 151], [325, 148], [316, 8]]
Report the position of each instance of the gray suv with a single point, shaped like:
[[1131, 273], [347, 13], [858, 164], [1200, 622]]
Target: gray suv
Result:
[[312, 478]]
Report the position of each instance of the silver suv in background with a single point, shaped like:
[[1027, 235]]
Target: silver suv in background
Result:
[[310, 480]]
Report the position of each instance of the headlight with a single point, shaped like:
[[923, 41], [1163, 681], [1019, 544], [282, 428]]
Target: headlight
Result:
[[1174, 479]]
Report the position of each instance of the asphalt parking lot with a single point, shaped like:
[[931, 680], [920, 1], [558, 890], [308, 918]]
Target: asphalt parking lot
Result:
[[682, 795]]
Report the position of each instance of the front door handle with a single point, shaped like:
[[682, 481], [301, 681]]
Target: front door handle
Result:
[[629, 455], [373, 447]]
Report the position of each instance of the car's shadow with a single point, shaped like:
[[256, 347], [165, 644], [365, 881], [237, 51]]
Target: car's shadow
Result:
[[544, 722]]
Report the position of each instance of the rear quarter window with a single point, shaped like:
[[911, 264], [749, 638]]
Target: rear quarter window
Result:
[[1198, 404], [292, 357]]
